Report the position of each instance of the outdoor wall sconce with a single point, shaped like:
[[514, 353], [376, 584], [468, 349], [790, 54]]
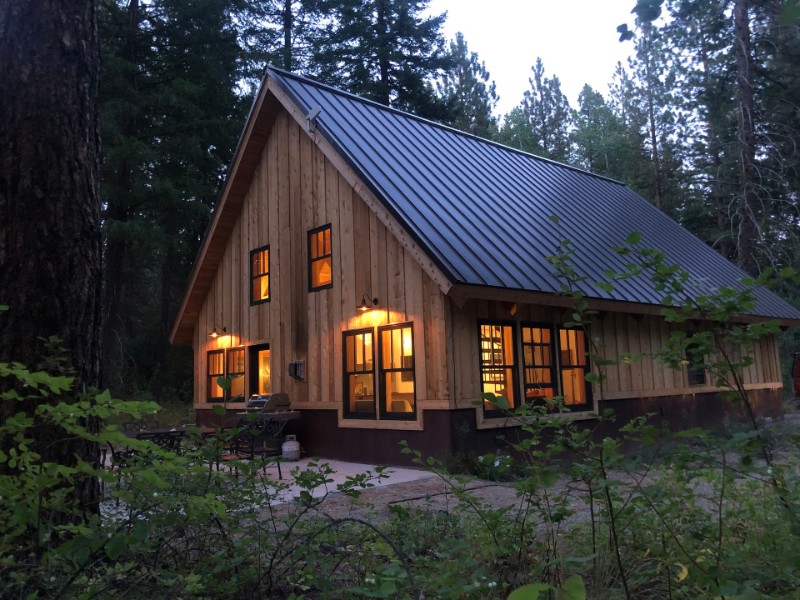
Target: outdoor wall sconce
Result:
[[217, 331], [367, 303]]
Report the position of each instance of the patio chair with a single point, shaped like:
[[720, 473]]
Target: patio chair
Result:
[[250, 442]]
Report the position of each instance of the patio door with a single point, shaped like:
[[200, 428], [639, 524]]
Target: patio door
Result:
[[260, 367]]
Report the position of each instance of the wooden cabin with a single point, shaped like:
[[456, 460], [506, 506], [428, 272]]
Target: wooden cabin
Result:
[[384, 271]]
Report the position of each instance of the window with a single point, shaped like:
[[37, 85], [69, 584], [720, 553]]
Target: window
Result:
[[695, 373], [574, 364], [554, 363], [260, 380], [320, 266], [222, 363], [235, 372], [498, 364], [538, 352], [216, 368], [359, 374], [396, 372], [259, 275]]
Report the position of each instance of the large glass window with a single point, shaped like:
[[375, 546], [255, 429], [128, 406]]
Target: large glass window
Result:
[[498, 363], [555, 362], [259, 275], [359, 374], [396, 372], [320, 253], [216, 369]]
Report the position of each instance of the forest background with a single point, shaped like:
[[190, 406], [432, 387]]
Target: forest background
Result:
[[703, 121]]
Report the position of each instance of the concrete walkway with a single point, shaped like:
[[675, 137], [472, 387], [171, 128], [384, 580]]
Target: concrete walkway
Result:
[[341, 471]]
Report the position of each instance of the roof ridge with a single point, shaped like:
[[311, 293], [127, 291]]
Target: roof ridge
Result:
[[307, 80]]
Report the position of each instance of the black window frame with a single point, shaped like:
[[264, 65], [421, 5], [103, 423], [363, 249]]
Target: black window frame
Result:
[[254, 277], [210, 383], [312, 260], [488, 412], [211, 377], [229, 352], [695, 372], [380, 373], [555, 375], [347, 413], [587, 368]]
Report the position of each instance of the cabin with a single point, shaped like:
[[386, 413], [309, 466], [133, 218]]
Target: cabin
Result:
[[385, 271]]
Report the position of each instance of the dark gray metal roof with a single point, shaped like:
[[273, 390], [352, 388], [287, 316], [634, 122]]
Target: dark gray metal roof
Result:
[[482, 211]]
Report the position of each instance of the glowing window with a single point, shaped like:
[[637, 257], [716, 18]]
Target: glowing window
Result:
[[259, 275], [396, 372], [320, 254]]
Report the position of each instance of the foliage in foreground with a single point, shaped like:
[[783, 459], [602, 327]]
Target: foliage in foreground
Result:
[[689, 515]]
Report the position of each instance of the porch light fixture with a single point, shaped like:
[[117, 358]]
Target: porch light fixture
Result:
[[217, 331], [367, 303]]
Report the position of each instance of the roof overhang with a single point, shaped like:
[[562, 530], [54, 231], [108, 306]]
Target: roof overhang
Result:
[[460, 294]]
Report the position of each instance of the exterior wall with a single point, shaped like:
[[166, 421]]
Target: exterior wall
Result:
[[295, 189], [614, 334]]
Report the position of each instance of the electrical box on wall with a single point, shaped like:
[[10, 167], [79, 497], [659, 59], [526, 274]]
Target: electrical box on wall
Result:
[[297, 369]]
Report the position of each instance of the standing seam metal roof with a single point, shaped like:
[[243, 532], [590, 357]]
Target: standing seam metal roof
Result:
[[482, 211]]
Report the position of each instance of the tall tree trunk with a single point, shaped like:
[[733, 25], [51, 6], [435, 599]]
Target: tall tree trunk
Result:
[[747, 148], [287, 18], [658, 184], [384, 92], [50, 243]]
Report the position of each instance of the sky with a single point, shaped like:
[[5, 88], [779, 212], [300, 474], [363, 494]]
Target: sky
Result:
[[577, 40]]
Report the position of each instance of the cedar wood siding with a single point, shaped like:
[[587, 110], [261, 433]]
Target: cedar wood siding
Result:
[[614, 334], [295, 188]]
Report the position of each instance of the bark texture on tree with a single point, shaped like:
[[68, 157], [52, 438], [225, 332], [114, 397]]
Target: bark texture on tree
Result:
[[748, 231], [50, 240]]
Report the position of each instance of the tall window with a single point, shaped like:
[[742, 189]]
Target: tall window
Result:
[[695, 373], [260, 375], [259, 275], [320, 265], [538, 353], [359, 374], [396, 372], [216, 369], [574, 365], [235, 371], [498, 364]]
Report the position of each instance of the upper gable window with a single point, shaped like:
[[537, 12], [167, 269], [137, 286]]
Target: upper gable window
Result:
[[259, 275], [320, 264]]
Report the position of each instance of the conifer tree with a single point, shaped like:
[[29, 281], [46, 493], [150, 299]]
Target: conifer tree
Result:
[[468, 92], [385, 50]]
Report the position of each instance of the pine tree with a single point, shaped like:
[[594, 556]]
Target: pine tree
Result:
[[469, 94], [385, 50], [170, 118], [542, 124], [50, 245], [598, 138]]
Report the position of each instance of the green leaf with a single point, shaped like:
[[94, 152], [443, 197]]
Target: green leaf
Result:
[[633, 238], [532, 591], [219, 410], [573, 589]]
